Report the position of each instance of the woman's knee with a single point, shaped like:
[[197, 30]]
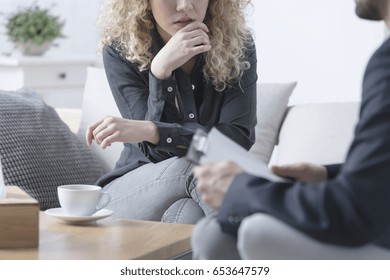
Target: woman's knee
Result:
[[183, 211], [176, 167]]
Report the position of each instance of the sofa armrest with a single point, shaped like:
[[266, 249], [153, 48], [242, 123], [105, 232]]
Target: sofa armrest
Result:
[[71, 117], [318, 133]]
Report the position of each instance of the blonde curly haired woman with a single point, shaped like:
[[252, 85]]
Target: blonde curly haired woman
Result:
[[173, 66]]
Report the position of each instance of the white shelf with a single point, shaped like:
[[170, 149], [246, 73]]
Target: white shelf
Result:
[[58, 78]]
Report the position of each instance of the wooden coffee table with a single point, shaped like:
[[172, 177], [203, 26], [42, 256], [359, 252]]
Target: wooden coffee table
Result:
[[106, 239]]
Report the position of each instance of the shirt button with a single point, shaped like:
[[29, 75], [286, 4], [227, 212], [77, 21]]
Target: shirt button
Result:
[[169, 140], [191, 115], [169, 89], [193, 87]]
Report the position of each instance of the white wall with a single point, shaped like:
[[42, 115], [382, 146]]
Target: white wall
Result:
[[319, 43]]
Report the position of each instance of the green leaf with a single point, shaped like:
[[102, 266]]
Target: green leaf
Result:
[[34, 24]]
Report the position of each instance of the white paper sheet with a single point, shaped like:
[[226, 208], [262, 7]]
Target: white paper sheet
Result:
[[220, 148]]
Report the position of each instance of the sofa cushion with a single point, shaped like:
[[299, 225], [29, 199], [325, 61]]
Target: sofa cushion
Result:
[[98, 103], [71, 117], [272, 100], [318, 133], [38, 151]]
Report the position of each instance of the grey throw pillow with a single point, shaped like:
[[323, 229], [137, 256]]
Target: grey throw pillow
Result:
[[37, 149]]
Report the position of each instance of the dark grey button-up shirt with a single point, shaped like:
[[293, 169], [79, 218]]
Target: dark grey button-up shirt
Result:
[[141, 96]]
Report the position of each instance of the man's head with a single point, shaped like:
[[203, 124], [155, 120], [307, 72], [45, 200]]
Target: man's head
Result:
[[372, 9]]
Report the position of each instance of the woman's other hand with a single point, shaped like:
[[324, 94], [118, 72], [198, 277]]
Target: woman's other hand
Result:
[[115, 129]]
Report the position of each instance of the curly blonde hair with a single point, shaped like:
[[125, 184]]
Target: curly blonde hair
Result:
[[129, 23]]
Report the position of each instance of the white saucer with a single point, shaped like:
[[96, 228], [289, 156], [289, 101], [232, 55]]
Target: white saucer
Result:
[[59, 214]]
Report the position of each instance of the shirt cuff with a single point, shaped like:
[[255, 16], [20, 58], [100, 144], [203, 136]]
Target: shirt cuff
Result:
[[333, 170], [169, 135], [158, 92], [235, 206], [159, 88]]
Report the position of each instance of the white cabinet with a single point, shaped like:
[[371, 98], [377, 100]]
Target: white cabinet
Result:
[[59, 79]]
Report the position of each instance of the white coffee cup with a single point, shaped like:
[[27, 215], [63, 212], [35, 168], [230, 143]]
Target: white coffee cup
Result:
[[82, 200]]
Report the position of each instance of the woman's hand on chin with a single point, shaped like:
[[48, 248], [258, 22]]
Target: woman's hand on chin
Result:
[[188, 42]]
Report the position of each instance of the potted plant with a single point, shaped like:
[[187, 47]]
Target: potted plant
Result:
[[34, 29]]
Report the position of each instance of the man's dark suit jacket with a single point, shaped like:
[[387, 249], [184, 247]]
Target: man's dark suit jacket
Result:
[[351, 209]]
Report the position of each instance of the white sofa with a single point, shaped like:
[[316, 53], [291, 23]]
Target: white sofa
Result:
[[319, 133]]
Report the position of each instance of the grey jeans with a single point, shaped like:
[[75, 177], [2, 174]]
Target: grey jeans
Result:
[[163, 191], [261, 236]]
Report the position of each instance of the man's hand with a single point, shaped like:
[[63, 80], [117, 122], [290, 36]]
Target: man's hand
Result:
[[116, 129], [214, 180], [304, 172], [188, 42]]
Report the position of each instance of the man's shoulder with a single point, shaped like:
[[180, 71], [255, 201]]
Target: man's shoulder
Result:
[[382, 52], [378, 67], [386, 44]]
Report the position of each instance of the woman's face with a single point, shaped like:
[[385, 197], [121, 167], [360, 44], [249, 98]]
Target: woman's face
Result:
[[172, 15]]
